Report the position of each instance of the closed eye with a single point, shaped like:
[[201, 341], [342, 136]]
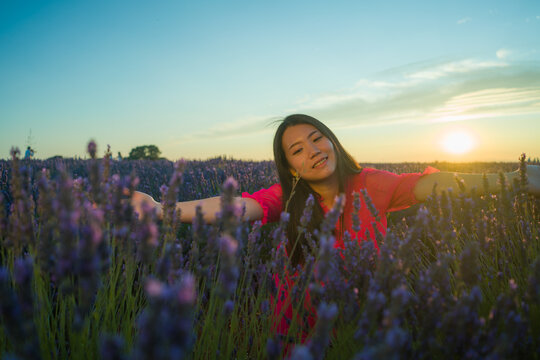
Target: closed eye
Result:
[[297, 151], [317, 138]]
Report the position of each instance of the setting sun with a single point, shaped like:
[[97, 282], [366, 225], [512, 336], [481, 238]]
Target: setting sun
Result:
[[458, 142]]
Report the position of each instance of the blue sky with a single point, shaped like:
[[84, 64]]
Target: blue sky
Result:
[[206, 78]]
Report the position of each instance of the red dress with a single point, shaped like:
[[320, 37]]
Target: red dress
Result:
[[388, 192]]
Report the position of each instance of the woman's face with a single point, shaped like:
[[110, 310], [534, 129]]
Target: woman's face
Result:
[[309, 152]]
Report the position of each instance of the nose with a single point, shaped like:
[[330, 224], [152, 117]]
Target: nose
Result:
[[313, 150]]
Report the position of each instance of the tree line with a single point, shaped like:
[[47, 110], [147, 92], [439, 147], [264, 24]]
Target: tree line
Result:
[[148, 152]]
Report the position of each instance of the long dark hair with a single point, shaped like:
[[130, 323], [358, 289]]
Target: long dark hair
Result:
[[345, 166]]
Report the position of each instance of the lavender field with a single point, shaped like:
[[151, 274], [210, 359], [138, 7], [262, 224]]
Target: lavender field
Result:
[[82, 277]]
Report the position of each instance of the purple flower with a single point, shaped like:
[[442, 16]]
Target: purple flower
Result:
[[372, 209], [154, 288], [279, 234], [332, 216], [273, 349], [228, 271], [398, 339], [187, 292], [3, 217], [308, 210], [229, 245], [228, 307], [146, 235], [469, 266], [17, 309], [21, 227], [92, 149], [301, 352], [324, 262], [111, 348], [230, 186], [230, 211], [356, 226], [326, 314], [265, 307], [534, 282], [165, 327]]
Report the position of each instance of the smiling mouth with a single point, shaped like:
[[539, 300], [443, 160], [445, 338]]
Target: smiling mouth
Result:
[[320, 162]]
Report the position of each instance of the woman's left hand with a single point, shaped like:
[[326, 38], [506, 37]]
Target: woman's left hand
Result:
[[533, 176]]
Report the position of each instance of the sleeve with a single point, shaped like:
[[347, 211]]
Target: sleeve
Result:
[[393, 192], [270, 200]]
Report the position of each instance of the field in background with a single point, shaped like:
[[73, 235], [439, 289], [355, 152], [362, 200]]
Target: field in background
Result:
[[82, 277]]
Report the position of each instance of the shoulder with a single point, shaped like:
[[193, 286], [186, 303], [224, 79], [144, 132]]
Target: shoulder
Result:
[[270, 201], [272, 191], [276, 188], [370, 178]]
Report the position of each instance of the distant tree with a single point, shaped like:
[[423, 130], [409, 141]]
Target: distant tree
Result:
[[149, 152]]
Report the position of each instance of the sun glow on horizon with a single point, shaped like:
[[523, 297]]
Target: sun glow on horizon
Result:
[[458, 142]]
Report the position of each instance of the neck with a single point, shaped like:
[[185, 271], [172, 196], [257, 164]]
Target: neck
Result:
[[327, 189]]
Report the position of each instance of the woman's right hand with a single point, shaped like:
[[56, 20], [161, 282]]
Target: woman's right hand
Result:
[[141, 201]]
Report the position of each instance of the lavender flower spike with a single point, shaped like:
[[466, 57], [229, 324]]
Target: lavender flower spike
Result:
[[321, 338], [357, 204], [301, 352], [308, 210], [229, 271], [372, 209], [92, 149], [333, 215]]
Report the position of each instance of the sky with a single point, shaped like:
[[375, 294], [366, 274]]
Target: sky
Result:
[[395, 80]]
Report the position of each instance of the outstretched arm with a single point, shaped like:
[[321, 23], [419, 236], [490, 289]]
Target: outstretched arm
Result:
[[446, 180], [209, 207]]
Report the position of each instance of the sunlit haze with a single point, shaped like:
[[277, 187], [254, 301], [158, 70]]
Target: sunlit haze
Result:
[[458, 142], [392, 79]]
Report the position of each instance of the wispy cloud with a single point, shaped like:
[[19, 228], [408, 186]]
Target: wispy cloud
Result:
[[454, 91], [490, 103], [231, 129], [459, 67], [328, 100], [419, 93], [373, 92], [464, 20]]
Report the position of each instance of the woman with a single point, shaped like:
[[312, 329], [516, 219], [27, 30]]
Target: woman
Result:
[[311, 161]]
